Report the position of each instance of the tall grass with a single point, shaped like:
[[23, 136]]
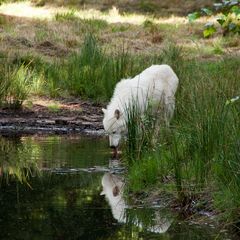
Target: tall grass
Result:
[[15, 86], [201, 149], [142, 129], [66, 16], [91, 73]]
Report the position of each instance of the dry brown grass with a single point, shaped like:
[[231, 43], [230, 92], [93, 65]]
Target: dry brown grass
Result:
[[158, 7], [27, 29]]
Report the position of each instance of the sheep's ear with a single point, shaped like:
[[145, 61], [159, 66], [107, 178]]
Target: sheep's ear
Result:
[[115, 191], [104, 110], [117, 114], [102, 193]]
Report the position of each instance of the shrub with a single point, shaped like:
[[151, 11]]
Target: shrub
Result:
[[228, 17]]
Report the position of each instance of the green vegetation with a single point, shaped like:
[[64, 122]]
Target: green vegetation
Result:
[[147, 6], [91, 73], [85, 53], [54, 107], [200, 151], [228, 17], [17, 162], [15, 86], [66, 16]]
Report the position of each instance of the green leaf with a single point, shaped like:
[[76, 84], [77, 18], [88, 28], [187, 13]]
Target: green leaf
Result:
[[209, 30], [207, 11], [193, 16], [221, 19], [236, 10]]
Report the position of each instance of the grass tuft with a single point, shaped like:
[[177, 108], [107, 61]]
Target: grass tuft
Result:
[[15, 86], [201, 148], [66, 16]]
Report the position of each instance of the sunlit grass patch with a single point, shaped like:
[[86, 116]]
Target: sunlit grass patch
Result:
[[66, 16], [26, 9], [15, 86], [54, 107]]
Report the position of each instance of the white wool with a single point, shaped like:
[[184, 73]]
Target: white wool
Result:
[[157, 84], [118, 205]]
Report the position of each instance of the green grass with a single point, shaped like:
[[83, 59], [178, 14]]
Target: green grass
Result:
[[201, 148], [2, 19], [54, 107], [66, 16], [91, 73], [15, 86], [93, 25], [147, 6], [150, 26]]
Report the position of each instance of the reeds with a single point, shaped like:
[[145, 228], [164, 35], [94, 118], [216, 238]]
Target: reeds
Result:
[[200, 150], [15, 86]]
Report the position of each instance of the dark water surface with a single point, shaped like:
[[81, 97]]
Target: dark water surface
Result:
[[68, 188]]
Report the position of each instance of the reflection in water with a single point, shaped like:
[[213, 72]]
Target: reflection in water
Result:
[[17, 160], [113, 188], [113, 191], [64, 201]]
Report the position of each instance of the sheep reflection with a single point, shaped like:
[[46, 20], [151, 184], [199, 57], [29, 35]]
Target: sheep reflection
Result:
[[113, 187]]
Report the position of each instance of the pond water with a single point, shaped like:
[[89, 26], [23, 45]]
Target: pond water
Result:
[[68, 188]]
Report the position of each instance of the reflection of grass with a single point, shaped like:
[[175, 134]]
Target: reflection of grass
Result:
[[17, 160]]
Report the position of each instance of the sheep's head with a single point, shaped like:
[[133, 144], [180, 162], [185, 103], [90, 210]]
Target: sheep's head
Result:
[[113, 125]]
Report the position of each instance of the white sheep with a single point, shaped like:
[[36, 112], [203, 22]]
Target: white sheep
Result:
[[156, 84]]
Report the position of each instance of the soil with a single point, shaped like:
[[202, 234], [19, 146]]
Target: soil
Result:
[[47, 116]]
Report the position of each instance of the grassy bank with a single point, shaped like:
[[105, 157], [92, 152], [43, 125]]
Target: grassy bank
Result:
[[84, 52], [199, 154], [90, 73], [200, 151]]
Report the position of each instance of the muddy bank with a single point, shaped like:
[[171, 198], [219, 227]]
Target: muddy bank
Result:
[[46, 116]]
